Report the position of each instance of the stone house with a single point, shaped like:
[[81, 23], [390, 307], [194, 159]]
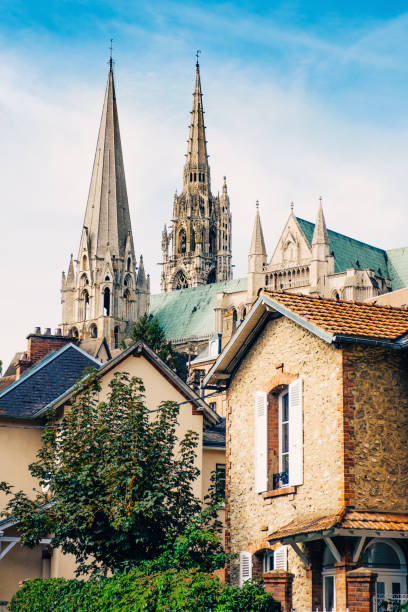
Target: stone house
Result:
[[316, 450], [48, 385]]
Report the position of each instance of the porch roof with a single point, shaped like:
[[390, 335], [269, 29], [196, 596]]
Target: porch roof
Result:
[[343, 523]]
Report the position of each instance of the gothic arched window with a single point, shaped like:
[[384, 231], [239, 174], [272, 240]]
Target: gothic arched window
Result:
[[106, 302], [234, 319], [116, 337], [193, 241], [213, 241], [128, 305], [84, 262], [211, 277], [180, 281], [182, 241], [94, 331], [129, 261], [85, 306], [73, 332]]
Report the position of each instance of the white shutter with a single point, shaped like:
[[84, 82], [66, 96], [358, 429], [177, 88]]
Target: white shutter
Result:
[[295, 433], [261, 441], [245, 567], [280, 558]]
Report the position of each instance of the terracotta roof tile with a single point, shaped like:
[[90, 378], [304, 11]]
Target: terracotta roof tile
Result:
[[349, 318], [345, 520]]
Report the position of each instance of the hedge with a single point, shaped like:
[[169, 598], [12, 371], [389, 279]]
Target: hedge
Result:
[[169, 591]]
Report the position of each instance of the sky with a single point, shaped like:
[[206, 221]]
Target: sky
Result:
[[303, 99]]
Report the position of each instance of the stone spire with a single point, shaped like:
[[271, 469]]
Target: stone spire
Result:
[[320, 235], [257, 242], [196, 168], [107, 215], [102, 296], [256, 258]]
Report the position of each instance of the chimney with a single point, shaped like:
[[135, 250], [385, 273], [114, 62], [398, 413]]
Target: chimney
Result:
[[22, 365], [40, 345]]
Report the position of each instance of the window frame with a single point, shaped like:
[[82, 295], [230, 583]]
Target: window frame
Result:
[[281, 453]]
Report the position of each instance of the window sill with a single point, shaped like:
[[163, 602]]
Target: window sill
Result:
[[279, 492]]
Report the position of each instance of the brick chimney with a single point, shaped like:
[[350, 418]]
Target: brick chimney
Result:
[[40, 344]]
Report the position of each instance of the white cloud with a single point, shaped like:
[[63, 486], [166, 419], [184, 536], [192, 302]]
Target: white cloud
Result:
[[275, 141]]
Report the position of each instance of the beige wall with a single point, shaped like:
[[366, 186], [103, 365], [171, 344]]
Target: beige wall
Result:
[[319, 365], [19, 564], [18, 448], [210, 459]]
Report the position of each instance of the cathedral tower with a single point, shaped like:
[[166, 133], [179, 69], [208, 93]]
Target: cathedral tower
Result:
[[102, 295], [200, 237]]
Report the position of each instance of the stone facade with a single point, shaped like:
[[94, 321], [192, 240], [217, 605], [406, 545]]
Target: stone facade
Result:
[[200, 237]]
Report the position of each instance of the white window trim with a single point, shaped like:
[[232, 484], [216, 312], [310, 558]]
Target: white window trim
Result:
[[326, 573], [286, 392]]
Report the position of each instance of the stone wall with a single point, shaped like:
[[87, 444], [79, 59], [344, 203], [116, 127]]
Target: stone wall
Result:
[[376, 415], [319, 365]]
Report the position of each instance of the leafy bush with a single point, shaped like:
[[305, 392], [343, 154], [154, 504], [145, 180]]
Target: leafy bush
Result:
[[172, 590]]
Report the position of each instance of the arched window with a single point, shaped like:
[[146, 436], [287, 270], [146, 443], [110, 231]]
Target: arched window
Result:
[[195, 177], [244, 313], [193, 241], [128, 263], [211, 277], [94, 331], [234, 319], [73, 332], [128, 305], [213, 241], [84, 262], [128, 281], [182, 241], [191, 177], [180, 281], [106, 302], [83, 280], [107, 278], [116, 337], [85, 305], [203, 177]]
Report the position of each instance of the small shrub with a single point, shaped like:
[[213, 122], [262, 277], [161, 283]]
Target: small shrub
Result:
[[170, 591]]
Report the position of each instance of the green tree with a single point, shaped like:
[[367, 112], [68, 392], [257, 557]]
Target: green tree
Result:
[[116, 484], [148, 329]]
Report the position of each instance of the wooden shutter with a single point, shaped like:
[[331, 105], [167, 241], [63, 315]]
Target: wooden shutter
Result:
[[296, 433], [245, 567], [261, 441], [280, 558]]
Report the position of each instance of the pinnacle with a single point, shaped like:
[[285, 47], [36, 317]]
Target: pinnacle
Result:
[[257, 242], [320, 235]]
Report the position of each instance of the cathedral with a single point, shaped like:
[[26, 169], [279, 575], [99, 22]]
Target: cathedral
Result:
[[200, 237], [105, 291]]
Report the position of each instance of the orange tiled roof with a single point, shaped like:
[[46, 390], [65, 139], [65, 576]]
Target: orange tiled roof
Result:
[[348, 318], [345, 520]]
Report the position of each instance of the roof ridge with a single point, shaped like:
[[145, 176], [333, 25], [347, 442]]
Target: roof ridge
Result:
[[330, 231], [338, 301]]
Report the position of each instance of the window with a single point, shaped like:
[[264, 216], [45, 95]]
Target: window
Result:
[[283, 476], [116, 337], [106, 302], [182, 241], [85, 305], [245, 567], [180, 281], [268, 561], [279, 438], [129, 261], [213, 406], [94, 331], [220, 481]]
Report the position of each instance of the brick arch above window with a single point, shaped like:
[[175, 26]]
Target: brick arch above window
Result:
[[279, 381]]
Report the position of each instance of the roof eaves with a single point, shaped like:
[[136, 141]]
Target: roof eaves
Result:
[[314, 329], [41, 364], [370, 341]]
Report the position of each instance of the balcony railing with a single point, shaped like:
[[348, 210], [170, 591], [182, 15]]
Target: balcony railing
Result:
[[281, 479], [391, 603]]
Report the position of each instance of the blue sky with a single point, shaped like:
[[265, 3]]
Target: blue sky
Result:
[[302, 99]]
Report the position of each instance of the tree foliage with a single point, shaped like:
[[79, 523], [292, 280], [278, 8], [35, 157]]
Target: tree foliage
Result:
[[116, 483], [148, 329]]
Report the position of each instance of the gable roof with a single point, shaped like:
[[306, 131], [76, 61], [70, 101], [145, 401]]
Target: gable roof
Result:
[[44, 382], [347, 251], [331, 320], [141, 348], [190, 312]]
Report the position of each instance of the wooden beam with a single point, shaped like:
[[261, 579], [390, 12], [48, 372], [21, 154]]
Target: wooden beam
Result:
[[358, 548], [333, 549], [300, 553], [371, 533], [4, 552]]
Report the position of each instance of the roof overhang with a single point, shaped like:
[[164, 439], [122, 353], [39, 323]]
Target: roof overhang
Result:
[[264, 309]]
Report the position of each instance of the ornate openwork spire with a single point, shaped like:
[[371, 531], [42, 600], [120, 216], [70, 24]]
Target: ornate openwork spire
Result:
[[196, 169]]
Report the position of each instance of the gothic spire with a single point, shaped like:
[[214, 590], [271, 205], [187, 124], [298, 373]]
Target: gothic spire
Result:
[[320, 235], [107, 213], [196, 169], [257, 242]]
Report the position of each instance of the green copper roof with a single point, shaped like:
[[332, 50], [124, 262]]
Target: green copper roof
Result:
[[348, 251], [398, 267], [190, 312]]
